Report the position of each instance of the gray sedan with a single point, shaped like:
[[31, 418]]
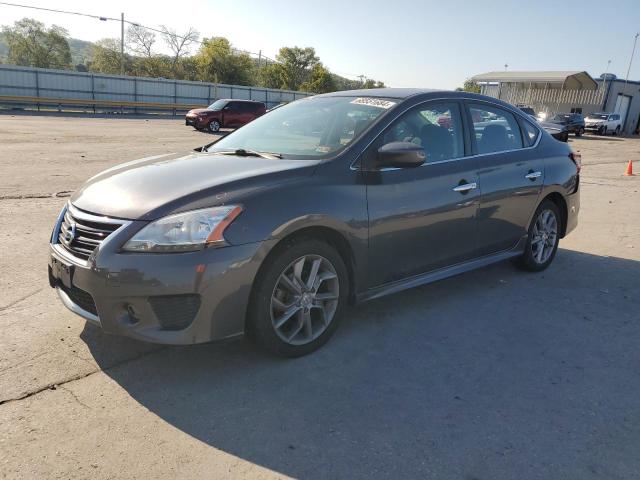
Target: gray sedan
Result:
[[329, 200]]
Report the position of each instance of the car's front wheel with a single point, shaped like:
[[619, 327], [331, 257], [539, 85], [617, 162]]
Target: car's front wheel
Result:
[[617, 131], [580, 132], [214, 126], [543, 238], [298, 297]]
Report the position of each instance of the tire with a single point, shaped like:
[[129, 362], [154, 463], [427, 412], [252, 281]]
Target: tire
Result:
[[605, 131], [580, 132], [304, 325], [214, 126], [617, 131], [532, 260]]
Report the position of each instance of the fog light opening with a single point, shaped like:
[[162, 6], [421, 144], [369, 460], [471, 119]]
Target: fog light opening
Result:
[[133, 315]]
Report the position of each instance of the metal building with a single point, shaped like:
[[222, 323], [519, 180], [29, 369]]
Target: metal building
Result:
[[552, 92]]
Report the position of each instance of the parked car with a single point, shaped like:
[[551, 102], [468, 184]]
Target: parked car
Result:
[[557, 131], [224, 113], [271, 232], [574, 122], [603, 123], [529, 111]]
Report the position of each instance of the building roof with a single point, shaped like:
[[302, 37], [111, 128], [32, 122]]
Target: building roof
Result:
[[570, 79]]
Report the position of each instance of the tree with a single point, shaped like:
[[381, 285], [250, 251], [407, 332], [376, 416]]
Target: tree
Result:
[[31, 44], [106, 57], [217, 63], [140, 40], [297, 64], [320, 80], [179, 44], [469, 86], [371, 83], [271, 76]]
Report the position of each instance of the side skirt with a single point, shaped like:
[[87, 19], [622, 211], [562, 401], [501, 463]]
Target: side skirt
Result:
[[442, 273]]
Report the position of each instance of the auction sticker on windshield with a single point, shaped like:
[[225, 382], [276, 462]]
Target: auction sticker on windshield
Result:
[[374, 102]]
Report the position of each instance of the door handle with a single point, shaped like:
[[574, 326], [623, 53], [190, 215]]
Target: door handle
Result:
[[464, 188], [533, 175]]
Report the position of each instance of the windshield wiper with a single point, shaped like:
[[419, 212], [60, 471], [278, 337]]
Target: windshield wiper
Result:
[[243, 152]]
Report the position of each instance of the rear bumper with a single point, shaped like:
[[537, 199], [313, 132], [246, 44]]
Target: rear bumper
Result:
[[178, 299], [573, 208]]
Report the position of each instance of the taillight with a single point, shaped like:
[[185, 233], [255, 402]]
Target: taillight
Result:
[[577, 159]]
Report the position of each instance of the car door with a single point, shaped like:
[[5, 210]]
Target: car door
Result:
[[422, 218], [232, 114], [511, 175]]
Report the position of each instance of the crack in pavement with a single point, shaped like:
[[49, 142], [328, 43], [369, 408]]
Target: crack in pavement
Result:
[[70, 392], [29, 196], [54, 386], [11, 304]]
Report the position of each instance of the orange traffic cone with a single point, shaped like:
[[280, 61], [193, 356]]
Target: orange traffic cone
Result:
[[629, 171]]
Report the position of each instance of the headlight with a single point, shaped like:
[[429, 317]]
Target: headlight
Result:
[[185, 232]]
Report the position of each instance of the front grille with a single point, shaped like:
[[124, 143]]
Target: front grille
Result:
[[175, 312], [81, 298], [80, 234]]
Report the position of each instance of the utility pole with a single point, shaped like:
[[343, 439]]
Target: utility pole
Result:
[[635, 40], [259, 58], [122, 43], [362, 77]]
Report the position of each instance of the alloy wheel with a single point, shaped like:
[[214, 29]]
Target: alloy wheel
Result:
[[304, 299], [214, 126], [545, 236]]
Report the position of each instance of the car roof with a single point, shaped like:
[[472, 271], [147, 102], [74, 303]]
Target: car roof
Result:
[[382, 92], [600, 113], [240, 100]]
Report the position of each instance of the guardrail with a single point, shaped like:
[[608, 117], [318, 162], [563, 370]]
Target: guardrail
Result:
[[93, 104], [38, 87]]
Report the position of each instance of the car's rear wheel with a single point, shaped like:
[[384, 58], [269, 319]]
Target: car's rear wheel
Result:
[[543, 238], [298, 298], [580, 132], [214, 126]]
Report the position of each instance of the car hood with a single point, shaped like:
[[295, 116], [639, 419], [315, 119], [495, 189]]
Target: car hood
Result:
[[196, 111], [146, 188]]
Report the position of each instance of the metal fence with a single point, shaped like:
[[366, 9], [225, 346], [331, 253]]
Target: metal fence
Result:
[[72, 90]]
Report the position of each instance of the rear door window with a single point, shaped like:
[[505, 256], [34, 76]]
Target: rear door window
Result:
[[495, 129]]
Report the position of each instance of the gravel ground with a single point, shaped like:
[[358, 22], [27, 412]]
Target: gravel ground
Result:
[[496, 374]]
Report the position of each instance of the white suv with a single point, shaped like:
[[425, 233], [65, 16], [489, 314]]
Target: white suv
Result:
[[603, 123]]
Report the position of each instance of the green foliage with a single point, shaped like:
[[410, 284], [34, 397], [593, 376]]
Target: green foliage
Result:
[[320, 81], [297, 64], [469, 86], [106, 57], [31, 44], [217, 63], [371, 83]]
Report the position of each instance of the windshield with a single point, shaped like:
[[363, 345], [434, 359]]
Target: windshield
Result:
[[310, 128], [218, 105], [598, 116], [561, 117]]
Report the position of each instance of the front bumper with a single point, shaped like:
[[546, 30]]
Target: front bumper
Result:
[[139, 295], [193, 122]]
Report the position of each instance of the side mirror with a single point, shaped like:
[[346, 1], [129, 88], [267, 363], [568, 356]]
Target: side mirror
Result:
[[400, 155]]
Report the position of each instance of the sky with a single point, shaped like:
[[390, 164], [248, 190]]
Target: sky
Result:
[[429, 44]]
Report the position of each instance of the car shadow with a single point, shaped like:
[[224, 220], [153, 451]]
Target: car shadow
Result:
[[484, 375]]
